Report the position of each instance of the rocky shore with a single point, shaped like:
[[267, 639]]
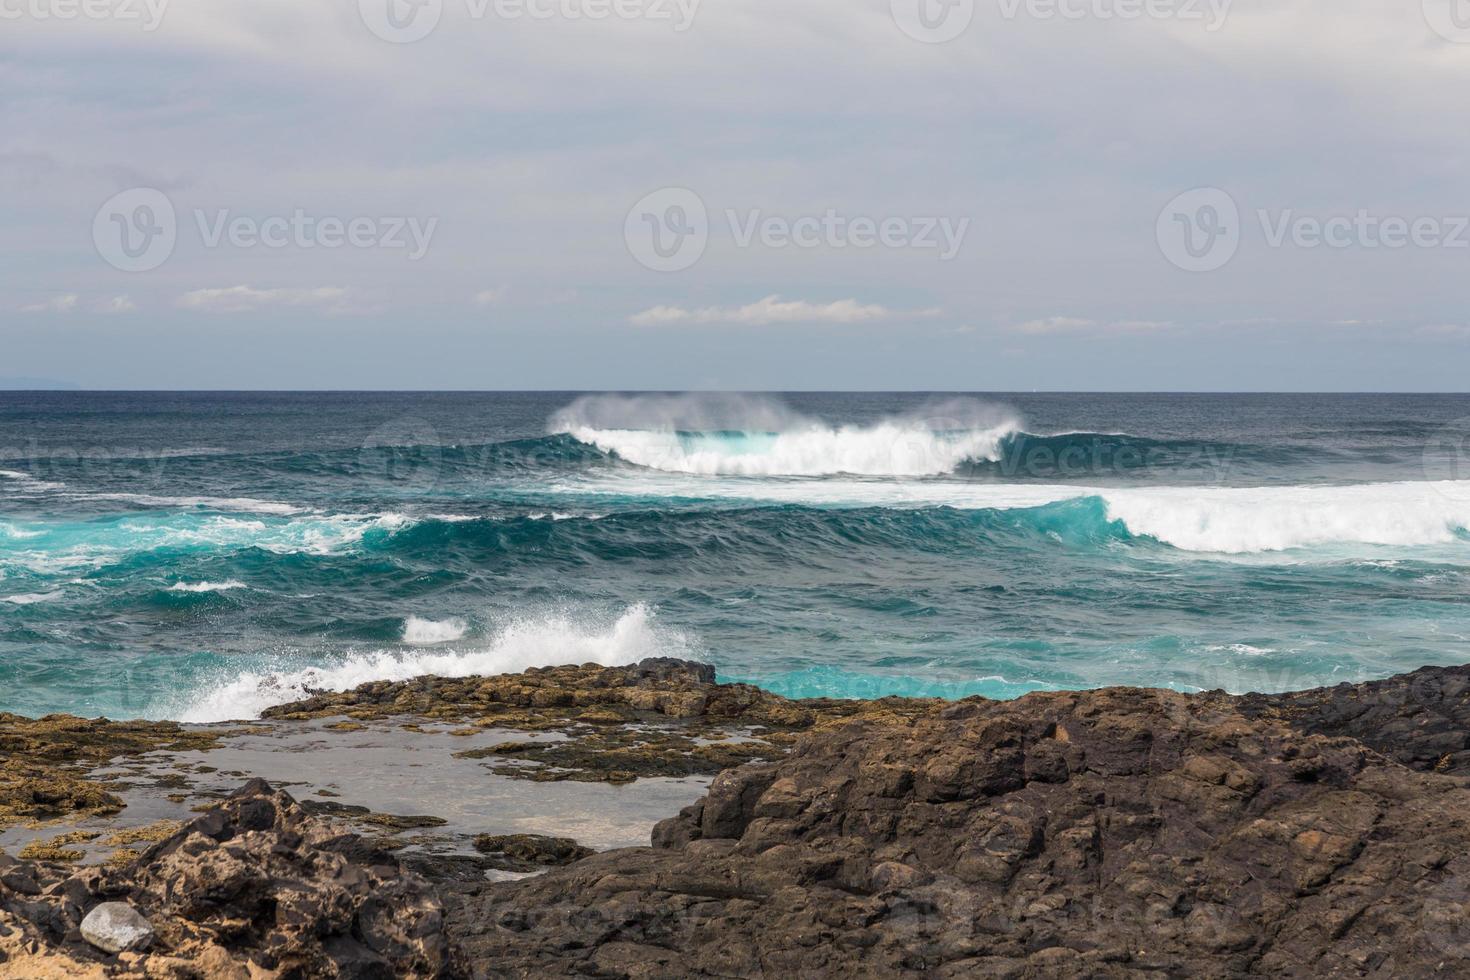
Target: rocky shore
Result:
[[482, 827]]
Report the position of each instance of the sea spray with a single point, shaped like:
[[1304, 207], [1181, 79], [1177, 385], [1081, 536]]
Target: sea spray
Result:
[[531, 641], [729, 435]]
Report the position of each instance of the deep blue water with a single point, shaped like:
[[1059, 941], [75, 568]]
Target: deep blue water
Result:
[[205, 555]]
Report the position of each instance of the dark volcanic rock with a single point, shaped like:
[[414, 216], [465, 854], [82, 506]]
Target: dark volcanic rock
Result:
[[1421, 719], [253, 888], [1112, 833], [525, 852]]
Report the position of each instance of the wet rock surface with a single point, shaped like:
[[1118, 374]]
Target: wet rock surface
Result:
[[1113, 833], [43, 761], [1116, 833]]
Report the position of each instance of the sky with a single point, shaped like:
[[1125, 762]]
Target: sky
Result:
[[959, 195]]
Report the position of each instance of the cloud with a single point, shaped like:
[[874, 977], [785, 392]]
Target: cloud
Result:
[[245, 299], [56, 304], [118, 304], [1075, 325], [489, 297], [772, 309]]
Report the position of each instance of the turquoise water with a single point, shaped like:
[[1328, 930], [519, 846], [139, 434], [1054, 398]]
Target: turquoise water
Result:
[[202, 556]]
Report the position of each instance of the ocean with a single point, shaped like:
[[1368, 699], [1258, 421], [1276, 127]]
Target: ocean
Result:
[[203, 556]]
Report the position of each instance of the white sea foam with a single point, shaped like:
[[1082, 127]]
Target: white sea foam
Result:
[[70, 547], [1228, 520], [1243, 649], [307, 535], [530, 642], [31, 598], [425, 632], [237, 505], [743, 436], [1238, 521], [228, 586], [26, 483]]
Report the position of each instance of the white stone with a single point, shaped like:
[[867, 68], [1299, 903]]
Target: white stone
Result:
[[116, 927]]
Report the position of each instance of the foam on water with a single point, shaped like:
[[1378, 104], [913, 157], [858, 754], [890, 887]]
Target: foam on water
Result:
[[1224, 520], [233, 505], [520, 644], [758, 437], [52, 547], [32, 598], [200, 587], [426, 632]]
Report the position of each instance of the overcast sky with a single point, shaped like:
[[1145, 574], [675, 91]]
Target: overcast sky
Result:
[[845, 194]]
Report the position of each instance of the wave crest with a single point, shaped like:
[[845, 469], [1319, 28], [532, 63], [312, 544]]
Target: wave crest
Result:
[[521, 644], [730, 435]]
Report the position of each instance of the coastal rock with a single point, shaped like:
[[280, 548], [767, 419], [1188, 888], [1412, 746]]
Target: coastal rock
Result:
[[116, 927], [1113, 833], [1421, 719], [253, 887], [519, 852]]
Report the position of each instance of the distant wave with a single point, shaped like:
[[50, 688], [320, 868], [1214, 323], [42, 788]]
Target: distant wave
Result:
[[235, 505], [745, 436], [1230, 520], [31, 598], [202, 587], [531, 642], [1243, 520], [52, 547], [26, 483]]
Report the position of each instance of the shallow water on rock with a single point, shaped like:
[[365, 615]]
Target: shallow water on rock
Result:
[[390, 771]]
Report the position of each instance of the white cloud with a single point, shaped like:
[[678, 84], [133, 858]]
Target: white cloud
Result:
[[489, 297], [245, 299], [1073, 325], [56, 304], [118, 304], [772, 309]]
